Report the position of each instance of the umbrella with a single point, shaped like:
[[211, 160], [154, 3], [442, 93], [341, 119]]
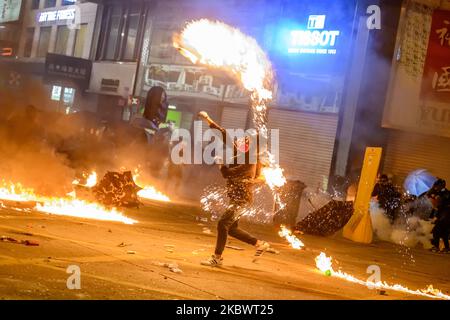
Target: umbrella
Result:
[[419, 181], [327, 220]]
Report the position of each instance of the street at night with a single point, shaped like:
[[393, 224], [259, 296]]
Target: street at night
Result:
[[225, 158], [172, 234]]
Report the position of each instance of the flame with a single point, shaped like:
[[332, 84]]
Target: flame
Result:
[[324, 264], [219, 45], [274, 177], [91, 181], [15, 192], [69, 206], [150, 192], [81, 209], [295, 242]]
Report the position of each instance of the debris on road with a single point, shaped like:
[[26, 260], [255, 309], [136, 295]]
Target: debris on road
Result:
[[131, 252], [195, 252], [201, 219], [173, 267], [123, 244], [207, 231], [29, 243], [169, 248]]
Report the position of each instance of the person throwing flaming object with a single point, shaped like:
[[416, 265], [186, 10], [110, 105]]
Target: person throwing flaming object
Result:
[[240, 180]]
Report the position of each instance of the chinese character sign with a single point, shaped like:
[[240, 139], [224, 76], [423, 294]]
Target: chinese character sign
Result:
[[436, 76], [10, 10]]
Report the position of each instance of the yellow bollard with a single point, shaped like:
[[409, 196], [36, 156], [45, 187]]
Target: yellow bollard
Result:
[[359, 228]]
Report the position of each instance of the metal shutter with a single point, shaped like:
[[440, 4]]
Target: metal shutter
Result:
[[234, 117], [406, 152], [306, 144]]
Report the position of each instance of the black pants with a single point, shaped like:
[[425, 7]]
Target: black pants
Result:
[[441, 231], [228, 225]]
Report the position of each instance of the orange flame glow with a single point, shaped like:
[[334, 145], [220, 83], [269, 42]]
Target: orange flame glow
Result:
[[324, 264], [295, 242], [216, 44], [68, 206], [91, 181], [151, 193]]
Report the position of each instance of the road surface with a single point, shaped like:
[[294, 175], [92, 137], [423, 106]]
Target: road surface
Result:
[[119, 261]]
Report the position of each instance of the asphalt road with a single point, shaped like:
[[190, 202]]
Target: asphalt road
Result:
[[118, 261]]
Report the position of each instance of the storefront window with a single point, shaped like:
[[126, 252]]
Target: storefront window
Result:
[[44, 41], [68, 2], [131, 40], [62, 39], [80, 41], [69, 96], [29, 36], [112, 39], [50, 3], [35, 4], [122, 27], [56, 93]]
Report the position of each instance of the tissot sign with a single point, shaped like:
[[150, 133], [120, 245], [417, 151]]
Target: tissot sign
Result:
[[316, 39]]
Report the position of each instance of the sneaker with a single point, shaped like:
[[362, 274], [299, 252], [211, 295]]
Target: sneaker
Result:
[[445, 251], [263, 247], [212, 262], [434, 249]]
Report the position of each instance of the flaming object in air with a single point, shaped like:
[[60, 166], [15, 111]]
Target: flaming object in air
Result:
[[324, 264], [295, 242]]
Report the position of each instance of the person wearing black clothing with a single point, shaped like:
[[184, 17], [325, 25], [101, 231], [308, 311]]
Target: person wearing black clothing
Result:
[[440, 198], [388, 197], [240, 179]]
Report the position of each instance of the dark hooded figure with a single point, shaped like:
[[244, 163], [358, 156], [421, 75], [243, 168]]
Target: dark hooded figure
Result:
[[155, 113], [440, 198], [240, 179], [156, 106]]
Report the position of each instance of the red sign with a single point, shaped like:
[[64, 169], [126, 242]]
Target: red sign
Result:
[[436, 76], [6, 52]]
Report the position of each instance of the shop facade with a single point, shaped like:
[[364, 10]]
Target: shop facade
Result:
[[418, 123], [310, 78], [62, 28]]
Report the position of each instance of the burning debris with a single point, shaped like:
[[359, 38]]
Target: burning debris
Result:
[[150, 193], [324, 264]]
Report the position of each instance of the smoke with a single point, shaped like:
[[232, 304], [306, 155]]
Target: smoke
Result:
[[27, 158], [46, 151], [409, 231]]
